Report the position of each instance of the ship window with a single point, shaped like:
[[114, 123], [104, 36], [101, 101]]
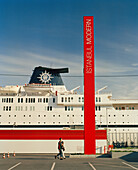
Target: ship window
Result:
[[9, 122], [72, 115], [116, 108], [50, 108], [29, 115], [39, 100], [65, 108], [58, 115], [23, 122], [79, 99], [9, 115], [47, 108], [68, 108], [26, 108], [96, 108], [96, 99], [3, 108], [30, 108], [71, 108], [82, 108], [132, 108], [82, 99], [6, 108], [123, 122], [109, 122], [67, 122], [99, 108], [44, 115], [65, 99], [67, 115], [26, 100], [38, 122], [14, 115], [123, 108], [119, 108], [123, 115], [114, 115], [129, 108], [21, 100], [38, 115], [7, 100], [109, 115], [29, 100], [53, 100], [44, 122], [59, 122], [53, 115], [81, 115], [114, 122], [72, 98], [33, 100], [21, 108], [62, 99], [46, 100], [0, 115], [99, 99], [9, 108], [24, 115], [53, 122], [18, 108], [29, 122]]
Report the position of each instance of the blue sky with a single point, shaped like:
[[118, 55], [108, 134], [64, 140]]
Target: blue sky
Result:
[[50, 33]]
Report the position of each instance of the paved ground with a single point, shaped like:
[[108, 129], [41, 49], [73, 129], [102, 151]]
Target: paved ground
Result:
[[48, 162]]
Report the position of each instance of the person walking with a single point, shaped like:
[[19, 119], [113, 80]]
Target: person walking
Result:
[[61, 148]]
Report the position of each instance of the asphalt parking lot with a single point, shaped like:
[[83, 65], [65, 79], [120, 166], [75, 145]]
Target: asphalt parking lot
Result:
[[48, 162]]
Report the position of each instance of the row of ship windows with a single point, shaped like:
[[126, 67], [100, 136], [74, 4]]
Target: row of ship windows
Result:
[[114, 115], [32, 108], [27, 100], [113, 122], [125, 108], [43, 115], [70, 99], [116, 130], [20, 108], [45, 100], [14, 124], [98, 99]]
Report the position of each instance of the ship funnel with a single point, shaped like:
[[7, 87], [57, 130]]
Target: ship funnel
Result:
[[44, 75]]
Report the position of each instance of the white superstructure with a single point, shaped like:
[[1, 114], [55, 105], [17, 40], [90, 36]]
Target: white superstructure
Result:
[[45, 103]]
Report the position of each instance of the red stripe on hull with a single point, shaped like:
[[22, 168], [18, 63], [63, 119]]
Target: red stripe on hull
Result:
[[48, 134]]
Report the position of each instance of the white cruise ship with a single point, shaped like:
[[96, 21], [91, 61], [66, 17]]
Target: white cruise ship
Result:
[[46, 103]]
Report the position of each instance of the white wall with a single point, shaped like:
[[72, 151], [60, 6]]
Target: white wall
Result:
[[46, 146]]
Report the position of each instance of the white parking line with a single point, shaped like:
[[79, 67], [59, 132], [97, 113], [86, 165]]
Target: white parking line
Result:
[[53, 166], [130, 165], [14, 166], [92, 166]]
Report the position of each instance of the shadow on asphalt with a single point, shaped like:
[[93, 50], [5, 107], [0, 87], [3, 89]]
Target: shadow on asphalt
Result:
[[132, 157], [104, 156]]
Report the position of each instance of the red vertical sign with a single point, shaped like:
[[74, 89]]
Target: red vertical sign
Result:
[[89, 86]]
